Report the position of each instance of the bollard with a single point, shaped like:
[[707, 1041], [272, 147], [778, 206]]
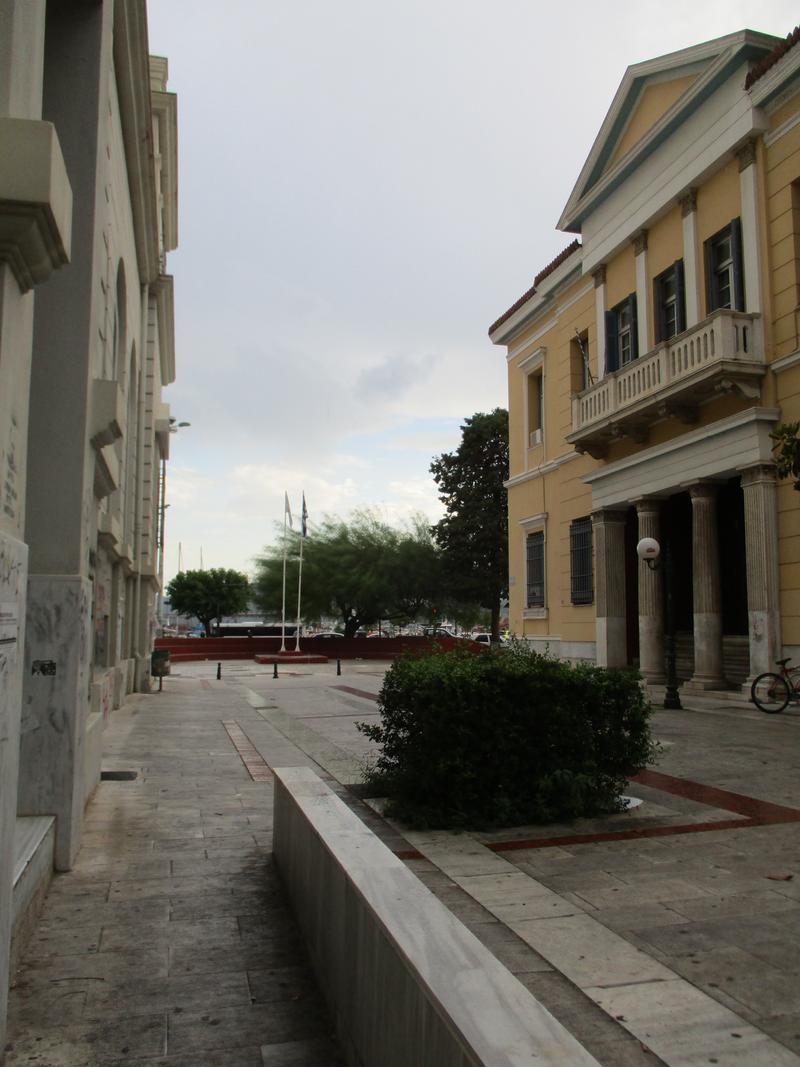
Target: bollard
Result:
[[275, 669], [338, 667], [219, 671]]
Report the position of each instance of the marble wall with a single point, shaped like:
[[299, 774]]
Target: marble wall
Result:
[[55, 710], [13, 574], [407, 983]]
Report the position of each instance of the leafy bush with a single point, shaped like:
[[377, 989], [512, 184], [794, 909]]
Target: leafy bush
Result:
[[505, 737]]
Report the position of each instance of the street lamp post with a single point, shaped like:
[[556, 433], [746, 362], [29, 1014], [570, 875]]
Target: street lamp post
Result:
[[174, 426], [648, 550]]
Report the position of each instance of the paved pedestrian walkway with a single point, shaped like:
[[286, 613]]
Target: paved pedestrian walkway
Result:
[[665, 935], [170, 942]]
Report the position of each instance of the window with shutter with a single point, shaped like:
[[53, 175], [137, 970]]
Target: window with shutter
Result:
[[622, 341], [724, 272], [670, 302]]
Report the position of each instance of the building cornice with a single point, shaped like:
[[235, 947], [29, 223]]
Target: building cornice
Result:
[[540, 301], [702, 433], [131, 65], [165, 114], [785, 362], [165, 300], [540, 471], [770, 84]]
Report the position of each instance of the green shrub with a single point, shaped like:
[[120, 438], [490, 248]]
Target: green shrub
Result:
[[505, 738]]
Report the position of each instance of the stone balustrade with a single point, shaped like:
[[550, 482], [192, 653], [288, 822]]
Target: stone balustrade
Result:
[[724, 344]]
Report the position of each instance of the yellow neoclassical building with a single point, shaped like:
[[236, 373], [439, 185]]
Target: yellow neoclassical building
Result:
[[648, 365]]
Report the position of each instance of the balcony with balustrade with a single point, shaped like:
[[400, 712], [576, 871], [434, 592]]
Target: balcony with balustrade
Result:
[[722, 354]]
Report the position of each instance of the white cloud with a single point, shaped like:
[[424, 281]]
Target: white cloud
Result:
[[364, 188]]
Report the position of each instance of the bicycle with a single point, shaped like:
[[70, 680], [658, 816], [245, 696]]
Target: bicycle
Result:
[[771, 692]]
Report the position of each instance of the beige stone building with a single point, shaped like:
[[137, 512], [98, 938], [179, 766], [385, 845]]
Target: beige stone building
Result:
[[648, 365], [88, 213]]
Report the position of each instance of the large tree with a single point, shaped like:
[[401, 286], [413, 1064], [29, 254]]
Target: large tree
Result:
[[209, 595], [361, 570], [473, 534]]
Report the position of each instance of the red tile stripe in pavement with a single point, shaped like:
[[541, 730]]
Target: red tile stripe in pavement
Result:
[[758, 810], [254, 762], [751, 811]]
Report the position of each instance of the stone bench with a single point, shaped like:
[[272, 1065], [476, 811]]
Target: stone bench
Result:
[[407, 984]]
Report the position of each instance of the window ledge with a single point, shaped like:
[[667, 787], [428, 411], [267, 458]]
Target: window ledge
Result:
[[534, 613]]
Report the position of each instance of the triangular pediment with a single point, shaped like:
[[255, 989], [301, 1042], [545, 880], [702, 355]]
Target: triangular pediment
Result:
[[653, 98]]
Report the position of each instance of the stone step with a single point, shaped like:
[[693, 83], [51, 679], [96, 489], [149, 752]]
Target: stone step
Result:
[[711, 698], [34, 842]]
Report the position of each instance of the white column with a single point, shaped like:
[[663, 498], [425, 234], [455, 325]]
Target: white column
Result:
[[651, 599], [642, 305], [609, 553], [751, 251], [763, 585], [690, 252], [707, 592], [600, 318], [21, 58]]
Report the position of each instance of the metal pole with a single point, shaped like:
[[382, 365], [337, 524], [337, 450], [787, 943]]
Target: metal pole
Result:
[[299, 586]]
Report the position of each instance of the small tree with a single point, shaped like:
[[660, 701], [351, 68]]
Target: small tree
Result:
[[473, 535], [209, 595], [359, 569]]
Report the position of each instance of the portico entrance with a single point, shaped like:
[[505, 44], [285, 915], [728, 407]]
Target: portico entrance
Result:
[[720, 534]]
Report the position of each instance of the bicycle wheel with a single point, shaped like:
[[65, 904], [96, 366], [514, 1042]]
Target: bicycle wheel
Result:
[[770, 693]]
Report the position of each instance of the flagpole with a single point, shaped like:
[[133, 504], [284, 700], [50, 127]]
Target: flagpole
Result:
[[283, 605], [299, 584]]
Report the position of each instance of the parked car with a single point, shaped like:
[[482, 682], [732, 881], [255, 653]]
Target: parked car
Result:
[[327, 633], [437, 631], [482, 639]]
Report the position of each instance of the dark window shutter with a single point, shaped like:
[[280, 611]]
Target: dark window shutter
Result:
[[658, 302], [738, 270], [612, 344], [634, 326], [680, 297], [711, 296]]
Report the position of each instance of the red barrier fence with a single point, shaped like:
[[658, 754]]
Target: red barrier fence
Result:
[[219, 648]]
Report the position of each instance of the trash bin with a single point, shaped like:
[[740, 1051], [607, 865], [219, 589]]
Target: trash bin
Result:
[[159, 662]]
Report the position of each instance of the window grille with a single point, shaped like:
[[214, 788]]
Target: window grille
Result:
[[535, 569], [580, 561]]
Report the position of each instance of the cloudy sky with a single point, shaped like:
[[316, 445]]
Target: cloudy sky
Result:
[[365, 185]]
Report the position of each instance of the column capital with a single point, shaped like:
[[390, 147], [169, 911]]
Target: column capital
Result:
[[647, 505], [746, 155], [599, 275], [759, 474], [639, 242], [701, 490], [688, 202], [608, 517]]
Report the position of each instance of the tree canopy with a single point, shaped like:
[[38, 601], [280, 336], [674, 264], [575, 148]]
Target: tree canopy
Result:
[[360, 570], [787, 451], [209, 595], [473, 535]]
